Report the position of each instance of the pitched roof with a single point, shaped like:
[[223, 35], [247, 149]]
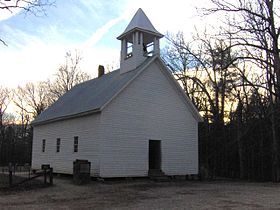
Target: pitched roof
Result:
[[92, 96], [88, 97], [141, 22]]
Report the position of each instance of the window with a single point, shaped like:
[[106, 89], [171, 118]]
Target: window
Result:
[[43, 145], [58, 145], [76, 142], [129, 47], [150, 48]]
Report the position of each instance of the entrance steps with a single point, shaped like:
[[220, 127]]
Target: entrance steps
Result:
[[157, 175]]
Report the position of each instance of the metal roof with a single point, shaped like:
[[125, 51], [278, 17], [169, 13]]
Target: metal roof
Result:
[[141, 22], [92, 96], [87, 97]]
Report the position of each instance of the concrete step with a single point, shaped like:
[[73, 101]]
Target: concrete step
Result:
[[158, 175], [156, 172], [160, 178]]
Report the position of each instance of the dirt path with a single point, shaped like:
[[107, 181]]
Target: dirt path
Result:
[[145, 194]]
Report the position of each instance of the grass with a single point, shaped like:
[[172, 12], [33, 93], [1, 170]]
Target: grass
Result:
[[19, 184]]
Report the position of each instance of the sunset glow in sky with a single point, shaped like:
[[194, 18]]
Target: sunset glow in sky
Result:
[[37, 45]]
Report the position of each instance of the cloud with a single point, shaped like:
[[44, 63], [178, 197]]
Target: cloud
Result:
[[93, 6], [9, 12], [34, 63], [100, 32], [17, 39], [178, 15], [108, 57], [27, 58], [36, 51], [30, 58]]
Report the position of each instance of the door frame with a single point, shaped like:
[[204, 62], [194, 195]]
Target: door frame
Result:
[[154, 155]]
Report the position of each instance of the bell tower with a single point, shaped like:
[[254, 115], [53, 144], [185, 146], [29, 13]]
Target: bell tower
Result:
[[139, 41]]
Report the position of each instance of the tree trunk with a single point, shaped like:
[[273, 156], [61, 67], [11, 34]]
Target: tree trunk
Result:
[[261, 150], [239, 141], [275, 158]]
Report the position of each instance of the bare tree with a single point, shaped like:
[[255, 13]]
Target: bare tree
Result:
[[206, 68], [32, 99], [68, 75], [206, 71], [254, 27], [35, 7], [221, 85], [4, 101], [5, 97]]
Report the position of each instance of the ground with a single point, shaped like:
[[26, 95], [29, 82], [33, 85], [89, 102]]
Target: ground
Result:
[[146, 194]]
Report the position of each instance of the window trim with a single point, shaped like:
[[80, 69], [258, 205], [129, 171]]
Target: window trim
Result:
[[43, 146], [76, 144], [58, 144]]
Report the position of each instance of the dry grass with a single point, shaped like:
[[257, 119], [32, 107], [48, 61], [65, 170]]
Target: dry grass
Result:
[[32, 184], [146, 194]]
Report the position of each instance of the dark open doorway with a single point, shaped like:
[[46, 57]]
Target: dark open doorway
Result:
[[154, 155]]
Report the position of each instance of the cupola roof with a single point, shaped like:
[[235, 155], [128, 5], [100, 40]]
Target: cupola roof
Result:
[[142, 23]]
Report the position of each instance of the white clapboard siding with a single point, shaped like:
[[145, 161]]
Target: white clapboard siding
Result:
[[150, 108], [86, 128], [134, 61]]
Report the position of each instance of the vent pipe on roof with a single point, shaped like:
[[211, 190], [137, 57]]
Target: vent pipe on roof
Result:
[[101, 70]]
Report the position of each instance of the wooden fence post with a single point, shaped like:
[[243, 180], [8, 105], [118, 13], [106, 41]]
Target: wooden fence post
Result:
[[45, 176], [10, 175], [10, 178], [51, 176]]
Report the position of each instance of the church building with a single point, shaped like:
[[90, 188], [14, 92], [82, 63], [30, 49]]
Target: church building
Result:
[[131, 122]]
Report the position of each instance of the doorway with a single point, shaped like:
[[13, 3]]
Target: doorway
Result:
[[154, 155]]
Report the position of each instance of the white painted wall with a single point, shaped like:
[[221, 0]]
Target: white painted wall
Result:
[[148, 109], [116, 141], [86, 128]]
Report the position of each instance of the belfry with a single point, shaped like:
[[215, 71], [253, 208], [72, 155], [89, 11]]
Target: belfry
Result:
[[140, 40]]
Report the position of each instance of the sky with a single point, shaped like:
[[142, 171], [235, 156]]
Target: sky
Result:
[[37, 44]]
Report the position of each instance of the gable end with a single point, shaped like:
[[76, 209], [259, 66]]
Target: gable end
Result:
[[179, 89]]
